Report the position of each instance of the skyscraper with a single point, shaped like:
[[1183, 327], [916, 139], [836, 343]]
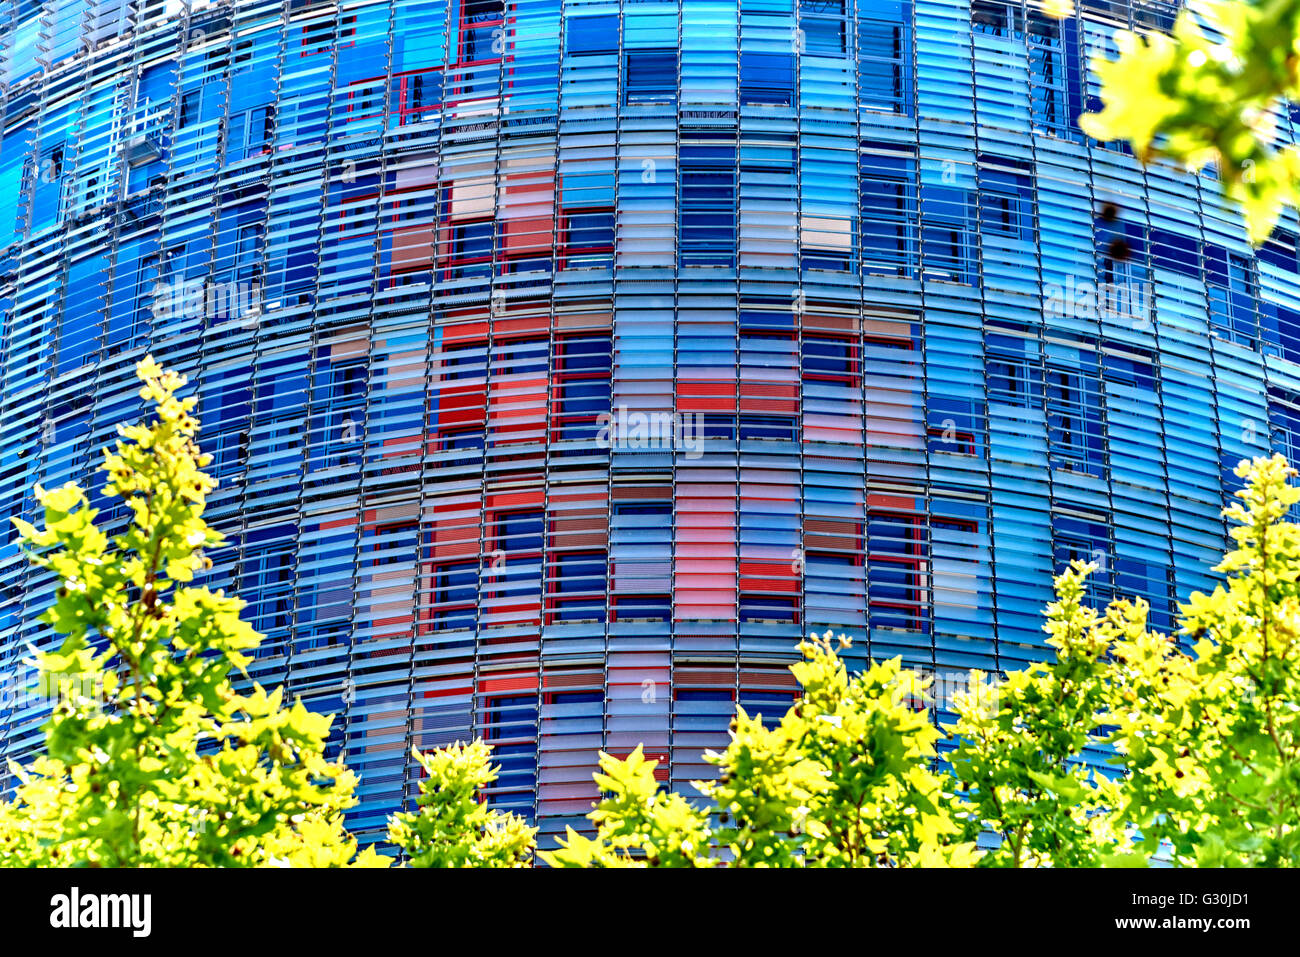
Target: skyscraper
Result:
[[565, 362]]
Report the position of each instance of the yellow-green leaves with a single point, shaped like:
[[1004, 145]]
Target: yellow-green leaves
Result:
[[637, 825], [1203, 763], [1057, 8], [1135, 102], [1208, 95], [1020, 743], [1212, 740], [1206, 745], [842, 780], [453, 826], [152, 758]]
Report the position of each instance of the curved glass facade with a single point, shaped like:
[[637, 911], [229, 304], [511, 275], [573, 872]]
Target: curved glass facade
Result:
[[565, 362]]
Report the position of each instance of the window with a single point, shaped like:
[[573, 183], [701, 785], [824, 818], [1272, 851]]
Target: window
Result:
[[417, 95], [266, 576], [952, 425], [593, 34], [1051, 61], [707, 173], [318, 36], [524, 357], [281, 387], [339, 399], [1085, 540], [510, 728], [482, 31], [1232, 289], [1156, 16], [897, 570], [641, 551], [578, 575], [512, 572], [248, 253], [249, 133], [767, 79], [1280, 325], [1281, 251], [826, 241], [823, 26], [586, 238], [703, 694], [461, 439], [466, 362], [577, 588], [1281, 328], [512, 575], [1002, 213], [575, 697], [640, 607], [1006, 202], [469, 250], [481, 11], [365, 101], [47, 170], [831, 360], [1177, 253], [191, 105], [581, 388], [392, 543], [770, 428], [1128, 370], [67, 421], [649, 76], [1074, 417], [889, 208], [759, 606], [135, 286], [885, 56], [767, 692], [821, 8], [1013, 372], [1121, 251], [226, 413], [946, 242], [1150, 580], [1284, 423], [518, 534], [823, 37], [996, 18]]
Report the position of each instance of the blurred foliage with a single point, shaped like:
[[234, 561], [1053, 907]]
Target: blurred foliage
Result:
[[1210, 94]]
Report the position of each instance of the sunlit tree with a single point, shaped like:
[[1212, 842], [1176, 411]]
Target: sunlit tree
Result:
[[151, 757]]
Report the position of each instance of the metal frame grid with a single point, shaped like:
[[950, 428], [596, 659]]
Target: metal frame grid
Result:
[[415, 254]]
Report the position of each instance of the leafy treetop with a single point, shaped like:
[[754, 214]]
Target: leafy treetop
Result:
[[151, 755]]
